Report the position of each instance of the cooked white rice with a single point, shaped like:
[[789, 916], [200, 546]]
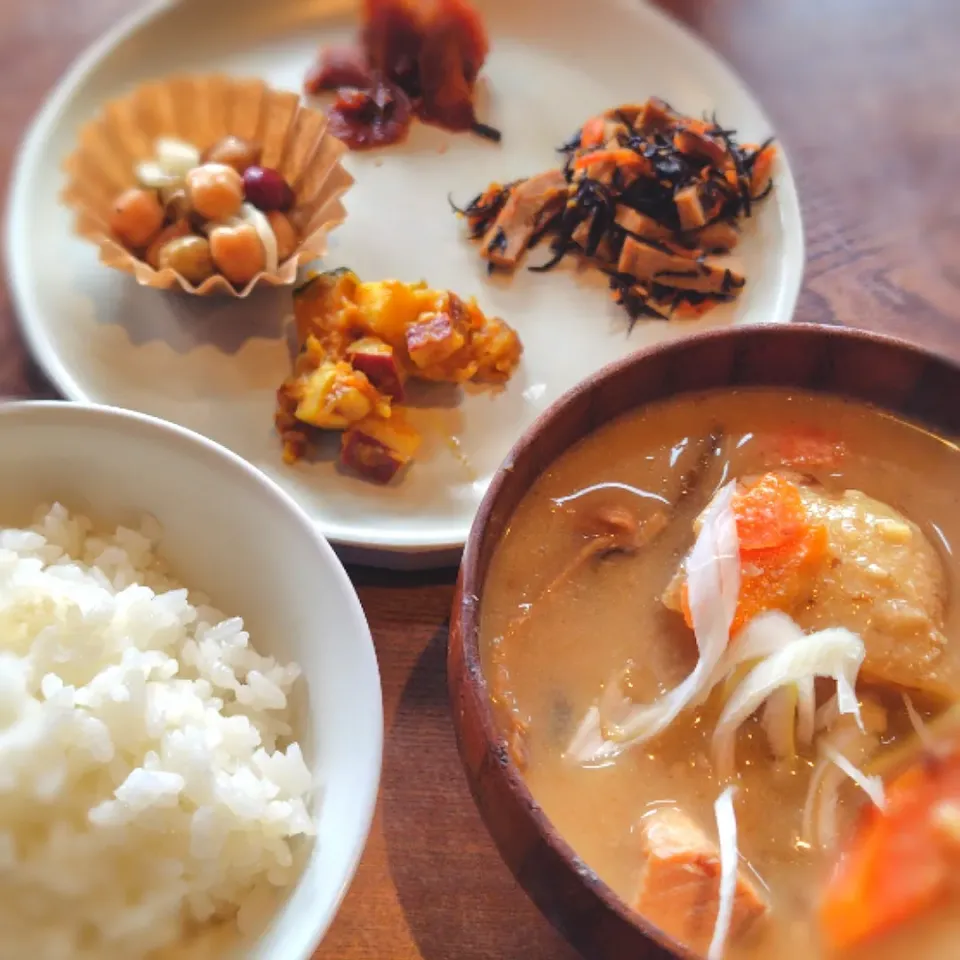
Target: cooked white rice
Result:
[[142, 791]]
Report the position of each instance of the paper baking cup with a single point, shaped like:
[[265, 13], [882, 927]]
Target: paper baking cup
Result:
[[203, 110]]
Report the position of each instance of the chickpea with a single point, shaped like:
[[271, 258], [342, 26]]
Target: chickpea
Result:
[[137, 217], [215, 191], [238, 253], [287, 238], [234, 152], [176, 203], [190, 257], [172, 232]]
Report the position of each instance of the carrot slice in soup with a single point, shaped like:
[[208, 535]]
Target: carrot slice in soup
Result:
[[897, 865], [779, 549], [810, 449], [776, 579], [769, 514]]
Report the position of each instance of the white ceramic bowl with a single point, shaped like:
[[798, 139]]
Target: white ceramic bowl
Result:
[[232, 533]]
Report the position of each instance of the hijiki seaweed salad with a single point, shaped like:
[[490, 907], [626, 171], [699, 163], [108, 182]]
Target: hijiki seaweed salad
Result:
[[646, 194]]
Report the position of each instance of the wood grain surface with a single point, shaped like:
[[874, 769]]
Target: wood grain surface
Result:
[[864, 95]]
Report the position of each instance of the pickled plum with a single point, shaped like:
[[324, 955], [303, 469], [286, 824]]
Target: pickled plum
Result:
[[371, 118], [417, 56]]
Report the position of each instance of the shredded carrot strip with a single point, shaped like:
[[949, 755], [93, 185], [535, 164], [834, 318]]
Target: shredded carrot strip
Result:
[[766, 155], [897, 865], [780, 548], [689, 311], [622, 158], [762, 166], [592, 133]]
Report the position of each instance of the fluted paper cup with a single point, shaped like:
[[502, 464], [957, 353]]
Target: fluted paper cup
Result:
[[202, 110]]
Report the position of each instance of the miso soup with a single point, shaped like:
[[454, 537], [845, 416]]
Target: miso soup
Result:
[[751, 590]]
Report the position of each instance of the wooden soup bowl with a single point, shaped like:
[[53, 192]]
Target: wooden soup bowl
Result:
[[882, 371]]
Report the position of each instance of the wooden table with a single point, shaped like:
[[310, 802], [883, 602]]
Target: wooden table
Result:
[[864, 94]]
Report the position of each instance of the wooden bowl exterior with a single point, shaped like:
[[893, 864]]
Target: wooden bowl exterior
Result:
[[882, 371]]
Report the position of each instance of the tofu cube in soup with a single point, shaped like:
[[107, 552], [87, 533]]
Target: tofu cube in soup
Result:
[[856, 563]]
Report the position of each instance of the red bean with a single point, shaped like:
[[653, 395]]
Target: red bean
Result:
[[266, 189]]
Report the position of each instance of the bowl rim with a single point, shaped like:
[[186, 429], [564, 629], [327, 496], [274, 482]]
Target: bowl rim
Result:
[[468, 602], [317, 924]]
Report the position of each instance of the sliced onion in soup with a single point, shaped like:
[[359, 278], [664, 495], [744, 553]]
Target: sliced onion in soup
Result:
[[871, 786], [587, 745], [806, 710], [827, 714], [780, 722], [729, 863], [836, 653], [916, 721], [764, 635], [713, 585], [819, 818]]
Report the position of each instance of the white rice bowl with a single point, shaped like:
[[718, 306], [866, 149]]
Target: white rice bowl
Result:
[[149, 788]]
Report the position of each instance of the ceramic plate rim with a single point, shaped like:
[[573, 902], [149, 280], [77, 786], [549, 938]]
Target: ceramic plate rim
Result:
[[393, 545]]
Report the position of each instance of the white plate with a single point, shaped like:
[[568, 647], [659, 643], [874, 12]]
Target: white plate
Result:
[[214, 367]]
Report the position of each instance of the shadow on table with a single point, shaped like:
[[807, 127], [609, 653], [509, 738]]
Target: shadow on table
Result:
[[459, 899]]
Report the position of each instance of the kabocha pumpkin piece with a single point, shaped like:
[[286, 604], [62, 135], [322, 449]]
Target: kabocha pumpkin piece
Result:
[[213, 154], [360, 342], [335, 395]]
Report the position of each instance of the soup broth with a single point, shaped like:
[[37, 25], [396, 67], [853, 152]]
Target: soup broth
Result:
[[567, 606]]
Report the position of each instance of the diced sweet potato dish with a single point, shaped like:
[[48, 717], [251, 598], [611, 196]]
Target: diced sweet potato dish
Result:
[[680, 885], [359, 343]]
